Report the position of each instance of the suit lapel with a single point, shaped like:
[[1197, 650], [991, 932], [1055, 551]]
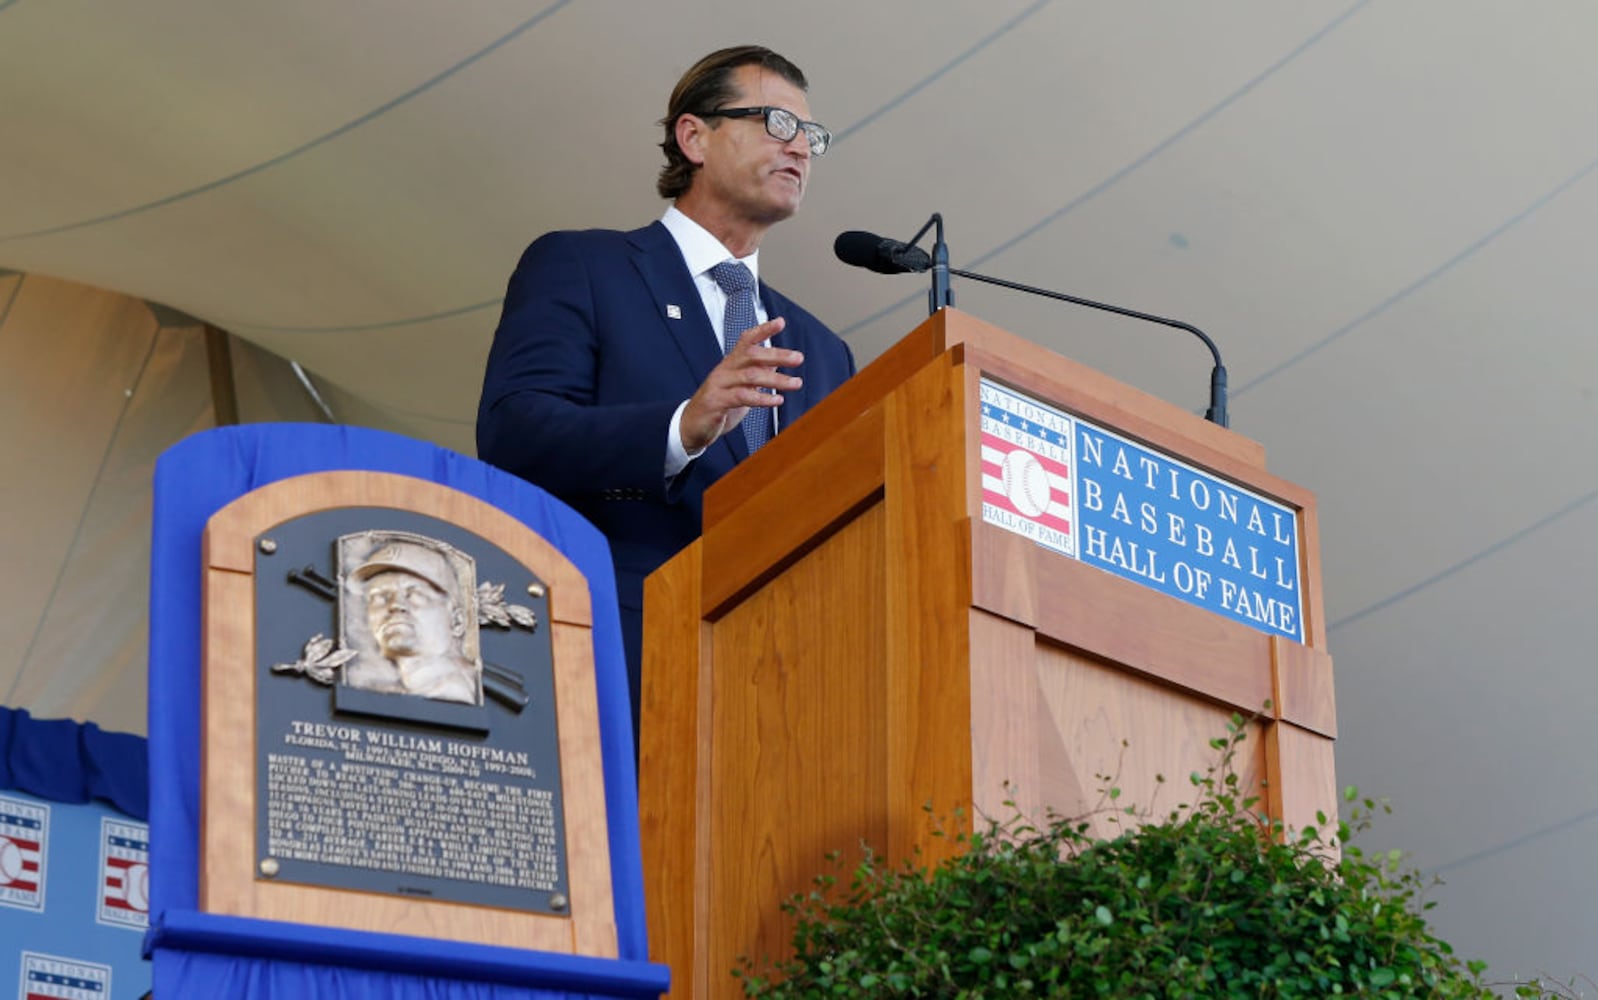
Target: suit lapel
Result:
[[676, 301]]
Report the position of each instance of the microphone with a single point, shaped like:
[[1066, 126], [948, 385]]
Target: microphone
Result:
[[886, 256], [880, 254]]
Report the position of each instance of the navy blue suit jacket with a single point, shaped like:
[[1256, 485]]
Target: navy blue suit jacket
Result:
[[603, 334]]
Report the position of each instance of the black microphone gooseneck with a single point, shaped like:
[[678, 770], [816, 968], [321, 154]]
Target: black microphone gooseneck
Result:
[[941, 294], [1216, 414], [886, 256]]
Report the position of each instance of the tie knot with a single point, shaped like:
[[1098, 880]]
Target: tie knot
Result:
[[733, 276]]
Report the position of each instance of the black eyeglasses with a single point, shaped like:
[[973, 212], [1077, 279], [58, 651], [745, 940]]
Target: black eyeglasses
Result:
[[781, 124]]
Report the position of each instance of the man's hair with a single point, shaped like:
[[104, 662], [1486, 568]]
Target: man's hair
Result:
[[705, 87]]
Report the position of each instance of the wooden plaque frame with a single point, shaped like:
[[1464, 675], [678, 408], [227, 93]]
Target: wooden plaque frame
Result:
[[229, 883]]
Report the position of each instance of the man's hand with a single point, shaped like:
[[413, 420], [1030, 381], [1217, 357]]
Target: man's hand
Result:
[[732, 387]]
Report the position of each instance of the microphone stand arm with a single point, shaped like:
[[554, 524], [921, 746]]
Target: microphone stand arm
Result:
[[941, 294], [1216, 414]]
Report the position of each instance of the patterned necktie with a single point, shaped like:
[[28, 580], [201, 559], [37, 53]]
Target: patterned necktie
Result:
[[735, 279]]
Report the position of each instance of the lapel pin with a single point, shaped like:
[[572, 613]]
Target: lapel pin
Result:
[[673, 311]]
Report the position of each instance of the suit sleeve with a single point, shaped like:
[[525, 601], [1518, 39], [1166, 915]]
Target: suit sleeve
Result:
[[542, 415]]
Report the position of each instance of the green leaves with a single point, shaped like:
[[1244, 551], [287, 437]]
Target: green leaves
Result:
[[1210, 902]]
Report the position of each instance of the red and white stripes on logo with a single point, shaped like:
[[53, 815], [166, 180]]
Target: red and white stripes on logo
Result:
[[1026, 482], [19, 863]]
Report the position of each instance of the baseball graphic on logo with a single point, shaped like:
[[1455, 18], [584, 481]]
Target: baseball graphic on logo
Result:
[[1026, 482], [10, 861], [136, 886]]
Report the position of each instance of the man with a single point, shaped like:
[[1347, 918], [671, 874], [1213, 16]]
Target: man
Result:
[[610, 383], [417, 624]]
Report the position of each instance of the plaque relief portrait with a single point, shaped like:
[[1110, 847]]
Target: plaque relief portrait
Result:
[[405, 737], [408, 613]]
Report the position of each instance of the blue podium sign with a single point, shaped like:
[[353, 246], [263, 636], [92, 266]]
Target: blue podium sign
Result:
[[1091, 494]]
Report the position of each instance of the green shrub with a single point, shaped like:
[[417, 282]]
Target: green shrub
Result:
[[1212, 901]]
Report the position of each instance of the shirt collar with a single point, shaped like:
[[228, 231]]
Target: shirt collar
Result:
[[701, 250]]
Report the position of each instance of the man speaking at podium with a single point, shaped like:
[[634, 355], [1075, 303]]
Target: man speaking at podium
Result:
[[630, 371]]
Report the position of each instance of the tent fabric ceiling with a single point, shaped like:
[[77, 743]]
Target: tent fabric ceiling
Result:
[[93, 387], [1380, 211]]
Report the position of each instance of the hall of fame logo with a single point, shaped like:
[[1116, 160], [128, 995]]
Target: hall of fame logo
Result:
[[1107, 500], [1026, 469], [24, 840], [124, 874], [49, 977]]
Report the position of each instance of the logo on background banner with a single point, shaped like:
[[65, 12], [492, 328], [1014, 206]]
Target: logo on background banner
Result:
[[124, 874], [1026, 469], [24, 836], [47, 977]]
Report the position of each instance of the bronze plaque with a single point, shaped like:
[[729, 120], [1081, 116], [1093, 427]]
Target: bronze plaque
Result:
[[406, 733]]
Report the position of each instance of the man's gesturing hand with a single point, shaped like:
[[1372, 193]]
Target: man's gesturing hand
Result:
[[733, 386]]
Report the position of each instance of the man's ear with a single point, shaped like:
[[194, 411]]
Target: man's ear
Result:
[[691, 133], [457, 622]]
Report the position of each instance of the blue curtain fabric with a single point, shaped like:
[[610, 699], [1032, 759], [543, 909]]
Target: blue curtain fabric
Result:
[[66, 761]]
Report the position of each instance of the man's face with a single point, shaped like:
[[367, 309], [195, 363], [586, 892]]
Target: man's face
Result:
[[754, 176], [408, 616]]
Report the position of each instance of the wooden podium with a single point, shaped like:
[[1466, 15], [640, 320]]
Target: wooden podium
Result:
[[850, 643]]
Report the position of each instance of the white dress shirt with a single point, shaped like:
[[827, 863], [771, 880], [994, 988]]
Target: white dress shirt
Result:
[[702, 251]]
